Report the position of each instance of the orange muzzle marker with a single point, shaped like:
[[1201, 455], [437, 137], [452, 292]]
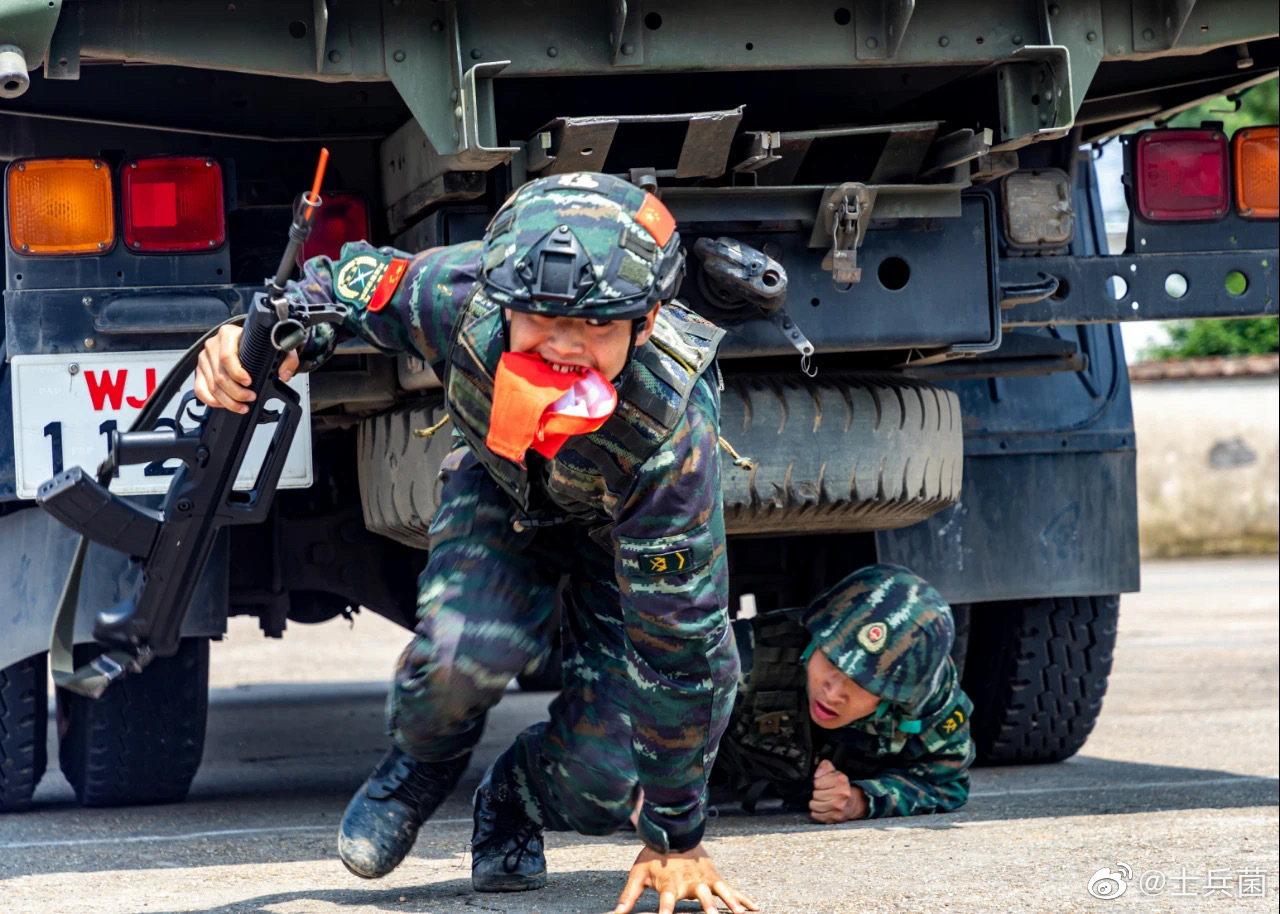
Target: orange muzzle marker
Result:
[[535, 406]]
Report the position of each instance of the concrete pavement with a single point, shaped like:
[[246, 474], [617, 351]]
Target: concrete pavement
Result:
[[1178, 782]]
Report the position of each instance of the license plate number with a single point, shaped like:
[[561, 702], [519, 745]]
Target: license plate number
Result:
[[64, 408]]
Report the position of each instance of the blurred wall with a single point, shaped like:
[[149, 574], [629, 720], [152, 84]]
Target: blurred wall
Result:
[[1208, 458]]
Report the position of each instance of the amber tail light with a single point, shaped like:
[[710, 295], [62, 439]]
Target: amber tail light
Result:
[[60, 206], [1255, 152]]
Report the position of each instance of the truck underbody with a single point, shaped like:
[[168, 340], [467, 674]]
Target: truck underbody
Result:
[[923, 361]]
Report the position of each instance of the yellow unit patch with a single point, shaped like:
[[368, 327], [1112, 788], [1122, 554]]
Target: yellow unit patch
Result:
[[667, 562], [358, 278]]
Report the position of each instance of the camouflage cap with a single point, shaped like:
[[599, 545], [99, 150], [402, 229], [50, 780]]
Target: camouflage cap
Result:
[[582, 245], [886, 629]]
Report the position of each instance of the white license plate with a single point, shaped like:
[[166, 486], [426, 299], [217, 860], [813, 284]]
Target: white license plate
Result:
[[64, 406]]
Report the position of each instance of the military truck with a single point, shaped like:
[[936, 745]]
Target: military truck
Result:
[[890, 206]]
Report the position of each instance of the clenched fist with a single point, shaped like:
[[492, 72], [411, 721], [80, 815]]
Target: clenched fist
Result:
[[834, 798]]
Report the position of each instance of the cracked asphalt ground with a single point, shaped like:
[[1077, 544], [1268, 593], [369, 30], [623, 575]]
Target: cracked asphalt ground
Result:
[[1180, 772]]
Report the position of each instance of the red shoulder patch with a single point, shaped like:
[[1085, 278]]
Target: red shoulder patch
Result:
[[656, 219], [387, 284]]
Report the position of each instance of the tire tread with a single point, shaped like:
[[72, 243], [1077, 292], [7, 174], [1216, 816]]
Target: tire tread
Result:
[[1037, 673], [24, 722]]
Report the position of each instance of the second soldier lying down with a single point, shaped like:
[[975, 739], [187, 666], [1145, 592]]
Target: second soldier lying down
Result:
[[851, 708]]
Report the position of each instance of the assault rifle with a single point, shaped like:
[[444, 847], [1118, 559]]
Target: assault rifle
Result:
[[171, 545]]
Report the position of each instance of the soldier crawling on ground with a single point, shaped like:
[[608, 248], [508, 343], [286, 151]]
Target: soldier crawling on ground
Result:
[[863, 681], [556, 471]]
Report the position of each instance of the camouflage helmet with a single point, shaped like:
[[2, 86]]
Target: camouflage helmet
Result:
[[886, 629], [582, 245]]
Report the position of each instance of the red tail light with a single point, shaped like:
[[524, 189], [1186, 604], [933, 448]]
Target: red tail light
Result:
[[173, 204], [342, 218], [1182, 175]]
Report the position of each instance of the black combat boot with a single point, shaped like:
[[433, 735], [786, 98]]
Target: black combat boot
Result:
[[506, 846], [382, 820]]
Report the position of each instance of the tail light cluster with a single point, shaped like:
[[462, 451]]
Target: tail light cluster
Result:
[[1186, 175], [168, 205], [172, 205]]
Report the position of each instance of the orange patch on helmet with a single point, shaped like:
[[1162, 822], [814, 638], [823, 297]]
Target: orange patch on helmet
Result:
[[656, 219]]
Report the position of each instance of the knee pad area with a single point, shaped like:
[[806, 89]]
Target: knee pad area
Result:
[[590, 801]]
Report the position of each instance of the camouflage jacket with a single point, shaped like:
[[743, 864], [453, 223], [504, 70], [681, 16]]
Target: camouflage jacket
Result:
[[772, 747], [660, 514]]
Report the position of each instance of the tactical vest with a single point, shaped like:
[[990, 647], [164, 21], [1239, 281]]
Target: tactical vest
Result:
[[651, 401], [767, 751]]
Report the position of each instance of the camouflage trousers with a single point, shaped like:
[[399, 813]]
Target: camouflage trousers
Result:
[[486, 604]]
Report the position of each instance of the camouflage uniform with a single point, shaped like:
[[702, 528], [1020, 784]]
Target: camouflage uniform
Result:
[[631, 513], [889, 631]]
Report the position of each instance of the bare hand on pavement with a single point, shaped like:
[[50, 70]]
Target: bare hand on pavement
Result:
[[677, 877]]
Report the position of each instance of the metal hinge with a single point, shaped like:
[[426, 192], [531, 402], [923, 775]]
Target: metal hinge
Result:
[[847, 211]]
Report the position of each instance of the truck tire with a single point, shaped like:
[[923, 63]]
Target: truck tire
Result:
[[24, 723], [1037, 672], [839, 453], [141, 741], [399, 488]]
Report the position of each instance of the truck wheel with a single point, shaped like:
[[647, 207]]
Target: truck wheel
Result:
[[839, 453], [399, 490], [141, 741], [1037, 671], [24, 723]]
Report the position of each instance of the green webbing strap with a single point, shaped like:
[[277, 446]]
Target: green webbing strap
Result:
[[92, 679], [906, 725]]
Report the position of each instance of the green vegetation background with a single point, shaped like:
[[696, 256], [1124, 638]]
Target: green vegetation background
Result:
[[1247, 336]]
